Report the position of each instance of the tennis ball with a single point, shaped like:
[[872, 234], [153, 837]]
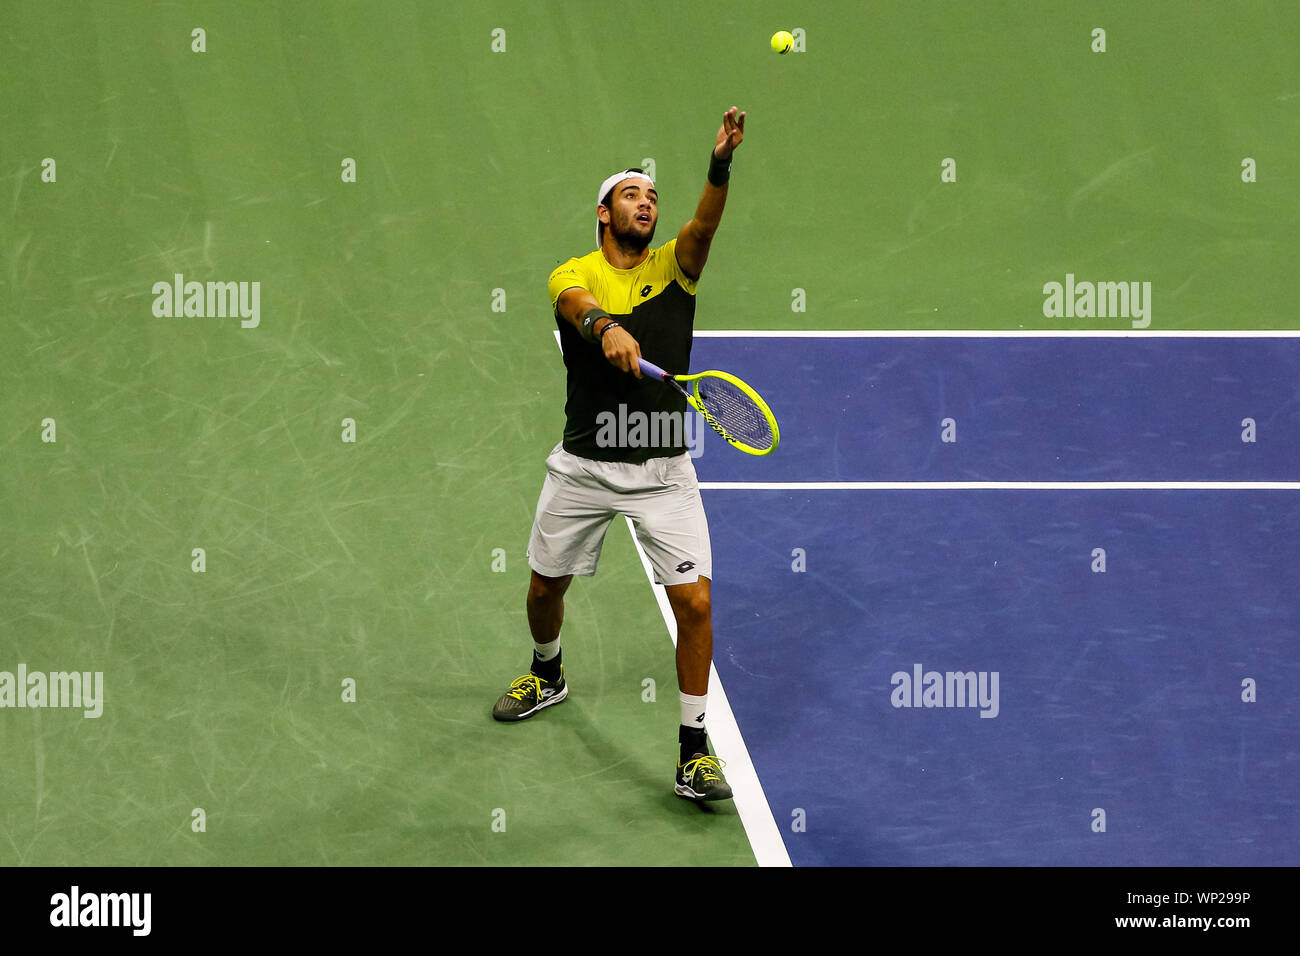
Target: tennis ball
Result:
[[782, 41]]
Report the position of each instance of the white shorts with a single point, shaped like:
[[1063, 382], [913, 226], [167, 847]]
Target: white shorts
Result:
[[580, 497]]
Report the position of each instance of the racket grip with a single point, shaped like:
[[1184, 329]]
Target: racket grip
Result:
[[649, 368]]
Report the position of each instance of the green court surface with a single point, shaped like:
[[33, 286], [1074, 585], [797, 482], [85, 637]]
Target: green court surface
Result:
[[413, 302]]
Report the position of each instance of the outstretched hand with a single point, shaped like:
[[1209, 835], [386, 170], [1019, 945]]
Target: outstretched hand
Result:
[[731, 134]]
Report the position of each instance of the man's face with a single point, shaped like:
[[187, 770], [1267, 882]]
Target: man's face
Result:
[[633, 213]]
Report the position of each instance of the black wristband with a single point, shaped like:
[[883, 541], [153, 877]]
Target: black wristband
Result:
[[611, 324], [589, 321], [719, 170]]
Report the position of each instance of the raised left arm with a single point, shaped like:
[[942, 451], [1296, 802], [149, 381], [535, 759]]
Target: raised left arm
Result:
[[696, 236]]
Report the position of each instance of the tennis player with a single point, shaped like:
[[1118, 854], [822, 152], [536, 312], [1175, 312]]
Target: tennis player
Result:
[[612, 305]]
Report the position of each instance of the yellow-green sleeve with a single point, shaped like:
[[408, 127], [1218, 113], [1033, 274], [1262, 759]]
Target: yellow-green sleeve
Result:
[[567, 276]]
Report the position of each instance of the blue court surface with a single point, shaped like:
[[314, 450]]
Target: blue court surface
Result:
[[1018, 675]]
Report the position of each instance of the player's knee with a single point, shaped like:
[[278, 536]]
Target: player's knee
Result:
[[696, 608], [543, 589]]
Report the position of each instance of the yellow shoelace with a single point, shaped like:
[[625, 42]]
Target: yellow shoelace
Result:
[[520, 687], [710, 767]]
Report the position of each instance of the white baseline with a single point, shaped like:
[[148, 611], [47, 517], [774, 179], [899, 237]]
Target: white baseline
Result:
[[998, 334], [1000, 485]]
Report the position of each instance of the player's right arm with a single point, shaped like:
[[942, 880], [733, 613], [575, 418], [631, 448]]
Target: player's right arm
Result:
[[619, 347]]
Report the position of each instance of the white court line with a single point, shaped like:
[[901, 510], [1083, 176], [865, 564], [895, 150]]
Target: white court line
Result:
[[1000, 485], [748, 796], [998, 334]]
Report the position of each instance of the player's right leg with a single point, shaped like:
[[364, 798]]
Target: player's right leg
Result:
[[543, 685], [573, 513]]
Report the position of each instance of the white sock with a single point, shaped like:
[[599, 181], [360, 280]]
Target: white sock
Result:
[[693, 710], [546, 652]]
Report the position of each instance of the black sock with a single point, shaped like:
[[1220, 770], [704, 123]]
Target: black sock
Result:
[[693, 741], [547, 670]]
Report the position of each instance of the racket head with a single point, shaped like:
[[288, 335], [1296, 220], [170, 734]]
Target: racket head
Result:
[[735, 411]]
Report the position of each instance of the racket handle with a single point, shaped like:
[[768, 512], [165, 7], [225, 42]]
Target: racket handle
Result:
[[649, 368]]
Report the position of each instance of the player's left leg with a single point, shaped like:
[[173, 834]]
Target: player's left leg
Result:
[[674, 532], [699, 773], [692, 606]]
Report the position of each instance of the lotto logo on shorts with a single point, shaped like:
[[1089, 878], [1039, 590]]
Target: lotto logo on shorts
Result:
[[685, 566]]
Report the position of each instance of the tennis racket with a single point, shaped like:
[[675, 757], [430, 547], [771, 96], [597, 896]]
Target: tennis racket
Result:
[[733, 409]]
